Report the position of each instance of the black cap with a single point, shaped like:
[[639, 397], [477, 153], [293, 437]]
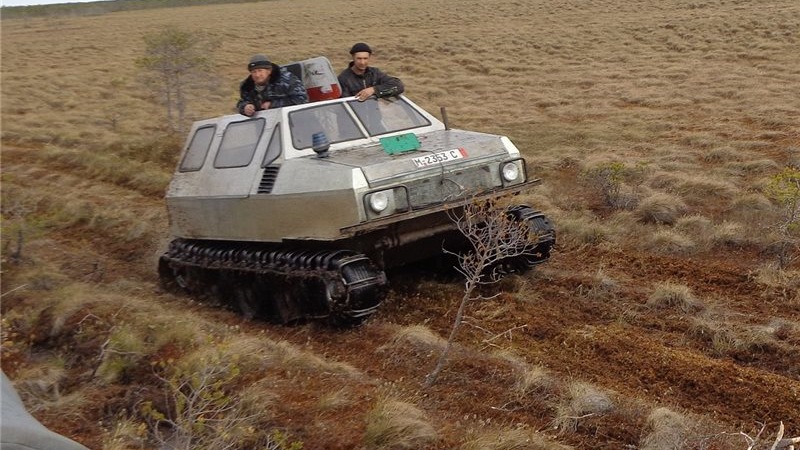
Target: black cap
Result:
[[360, 47], [259, 61]]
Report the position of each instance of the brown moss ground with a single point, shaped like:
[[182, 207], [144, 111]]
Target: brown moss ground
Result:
[[572, 83]]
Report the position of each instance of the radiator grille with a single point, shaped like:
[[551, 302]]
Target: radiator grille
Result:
[[453, 185]]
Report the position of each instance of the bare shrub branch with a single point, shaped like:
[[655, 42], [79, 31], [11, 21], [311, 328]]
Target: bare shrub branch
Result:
[[761, 442], [496, 238]]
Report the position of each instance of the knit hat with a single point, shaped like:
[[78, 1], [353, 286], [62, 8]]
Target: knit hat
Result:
[[360, 47], [259, 61]]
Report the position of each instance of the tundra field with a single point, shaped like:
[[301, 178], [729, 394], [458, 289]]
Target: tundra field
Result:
[[667, 318]]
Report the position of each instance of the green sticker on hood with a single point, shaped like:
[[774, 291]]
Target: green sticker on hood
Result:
[[400, 143]]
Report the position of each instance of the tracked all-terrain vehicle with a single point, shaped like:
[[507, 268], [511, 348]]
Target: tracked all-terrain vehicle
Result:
[[296, 212]]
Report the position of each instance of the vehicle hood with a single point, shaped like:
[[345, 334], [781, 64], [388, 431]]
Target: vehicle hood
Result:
[[379, 166]]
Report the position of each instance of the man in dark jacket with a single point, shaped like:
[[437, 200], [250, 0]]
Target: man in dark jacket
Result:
[[269, 86], [363, 81]]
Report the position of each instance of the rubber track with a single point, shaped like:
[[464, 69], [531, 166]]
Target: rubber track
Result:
[[275, 283], [540, 225]]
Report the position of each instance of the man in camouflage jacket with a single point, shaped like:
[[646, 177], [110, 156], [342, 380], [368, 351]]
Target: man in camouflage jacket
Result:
[[269, 86], [363, 81]]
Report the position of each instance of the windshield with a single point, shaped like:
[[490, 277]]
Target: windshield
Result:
[[387, 115], [378, 116]]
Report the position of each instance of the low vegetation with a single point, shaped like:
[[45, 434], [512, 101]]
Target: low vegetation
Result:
[[666, 318]]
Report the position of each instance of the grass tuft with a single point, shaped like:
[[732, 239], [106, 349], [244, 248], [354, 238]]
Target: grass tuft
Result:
[[419, 337], [536, 381], [666, 430], [581, 401], [669, 242], [511, 439], [394, 424], [660, 208], [674, 296]]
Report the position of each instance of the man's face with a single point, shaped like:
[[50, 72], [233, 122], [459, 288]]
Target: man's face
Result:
[[360, 61], [260, 75]]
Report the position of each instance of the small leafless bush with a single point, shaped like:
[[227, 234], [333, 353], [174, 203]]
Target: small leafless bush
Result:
[[793, 155], [394, 424], [760, 442], [495, 237]]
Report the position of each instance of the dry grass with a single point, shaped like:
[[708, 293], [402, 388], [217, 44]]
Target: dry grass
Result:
[[669, 242], [600, 286], [770, 276], [126, 434], [577, 230], [417, 337], [660, 208], [699, 227], [335, 400], [732, 235], [666, 430], [536, 381], [691, 97], [395, 424], [723, 335], [511, 439], [675, 296], [580, 401], [290, 357]]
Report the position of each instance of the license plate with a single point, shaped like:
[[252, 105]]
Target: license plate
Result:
[[440, 157]]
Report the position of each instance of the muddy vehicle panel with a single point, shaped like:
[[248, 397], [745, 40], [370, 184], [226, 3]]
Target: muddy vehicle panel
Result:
[[295, 212]]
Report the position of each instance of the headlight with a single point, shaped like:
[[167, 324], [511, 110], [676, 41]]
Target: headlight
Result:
[[379, 201], [510, 172]]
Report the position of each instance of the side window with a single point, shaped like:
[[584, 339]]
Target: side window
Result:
[[333, 120], [239, 143], [274, 146], [198, 149]]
